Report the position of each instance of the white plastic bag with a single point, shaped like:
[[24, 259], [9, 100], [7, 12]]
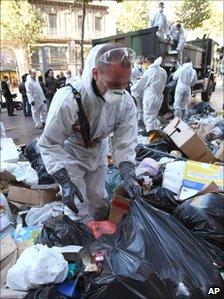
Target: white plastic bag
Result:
[[36, 266], [36, 216], [26, 174], [173, 176]]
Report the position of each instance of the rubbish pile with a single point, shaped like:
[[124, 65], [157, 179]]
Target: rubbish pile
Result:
[[166, 243]]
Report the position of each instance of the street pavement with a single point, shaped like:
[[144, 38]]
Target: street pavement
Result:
[[23, 131]]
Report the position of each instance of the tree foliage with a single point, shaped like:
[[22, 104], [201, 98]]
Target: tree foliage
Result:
[[21, 23], [192, 13], [133, 15]]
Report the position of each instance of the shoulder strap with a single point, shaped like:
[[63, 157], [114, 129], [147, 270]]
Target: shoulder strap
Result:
[[83, 121]]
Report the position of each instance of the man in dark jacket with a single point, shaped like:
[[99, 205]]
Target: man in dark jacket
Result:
[[51, 86], [61, 80], [22, 90], [8, 96]]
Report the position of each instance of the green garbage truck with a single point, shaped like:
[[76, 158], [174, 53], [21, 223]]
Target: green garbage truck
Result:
[[203, 53]]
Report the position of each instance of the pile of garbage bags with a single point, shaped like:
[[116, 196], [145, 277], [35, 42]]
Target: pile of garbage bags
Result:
[[167, 243], [152, 256]]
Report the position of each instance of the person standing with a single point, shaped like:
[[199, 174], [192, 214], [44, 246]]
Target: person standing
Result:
[[138, 70], [76, 153], [36, 99], [149, 90], [8, 96], [43, 85], [160, 20], [186, 77], [22, 90], [178, 37], [51, 86], [61, 80]]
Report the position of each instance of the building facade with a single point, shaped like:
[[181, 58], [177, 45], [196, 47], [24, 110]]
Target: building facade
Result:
[[59, 49]]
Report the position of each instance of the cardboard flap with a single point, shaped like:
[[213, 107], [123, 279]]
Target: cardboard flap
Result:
[[8, 246]]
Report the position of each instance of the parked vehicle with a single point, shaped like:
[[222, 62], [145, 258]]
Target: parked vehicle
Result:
[[203, 53]]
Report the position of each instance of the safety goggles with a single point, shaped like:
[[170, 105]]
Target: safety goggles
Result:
[[118, 55]]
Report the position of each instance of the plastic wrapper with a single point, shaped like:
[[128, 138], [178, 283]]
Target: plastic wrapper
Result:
[[36, 266], [204, 216], [31, 153], [162, 199], [152, 256], [36, 216], [62, 231], [113, 180], [148, 166], [26, 174]]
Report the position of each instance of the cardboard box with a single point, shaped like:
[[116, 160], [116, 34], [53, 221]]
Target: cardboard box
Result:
[[220, 152], [120, 205], [8, 256], [188, 141], [30, 196], [198, 176]]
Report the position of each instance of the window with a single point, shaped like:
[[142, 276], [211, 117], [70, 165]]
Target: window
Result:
[[79, 22], [68, 24], [53, 23], [98, 23]]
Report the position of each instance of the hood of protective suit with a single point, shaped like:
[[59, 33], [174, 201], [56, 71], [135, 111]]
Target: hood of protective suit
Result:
[[157, 62], [187, 65], [89, 65]]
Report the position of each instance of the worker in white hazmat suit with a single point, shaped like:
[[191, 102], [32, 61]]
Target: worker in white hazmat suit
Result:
[[74, 146], [177, 36], [36, 99], [186, 77], [150, 90], [159, 19], [138, 69]]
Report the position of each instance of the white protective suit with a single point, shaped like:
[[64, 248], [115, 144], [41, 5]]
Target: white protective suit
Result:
[[137, 73], [35, 94], [186, 77], [159, 19], [180, 38], [149, 91], [61, 146]]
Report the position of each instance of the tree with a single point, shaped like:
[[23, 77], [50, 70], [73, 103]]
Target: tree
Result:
[[84, 3], [21, 25], [212, 27], [192, 13], [133, 16]]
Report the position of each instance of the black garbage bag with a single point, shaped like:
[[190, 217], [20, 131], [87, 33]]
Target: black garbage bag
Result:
[[62, 231], [31, 153], [163, 199], [143, 152], [45, 292], [152, 256], [203, 108], [204, 215]]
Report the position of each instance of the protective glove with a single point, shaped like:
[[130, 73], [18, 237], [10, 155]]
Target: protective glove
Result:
[[32, 103], [45, 102], [68, 189], [127, 171]]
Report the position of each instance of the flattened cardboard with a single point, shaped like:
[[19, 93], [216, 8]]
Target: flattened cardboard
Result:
[[8, 256], [120, 205], [30, 196], [188, 141]]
